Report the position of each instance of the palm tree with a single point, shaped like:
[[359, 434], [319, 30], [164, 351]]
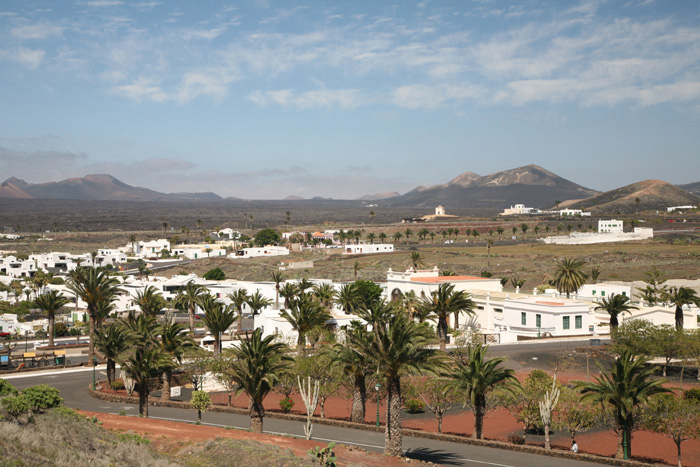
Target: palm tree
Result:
[[489, 244], [93, 286], [371, 216], [408, 233], [257, 302], [679, 297], [132, 240], [636, 204], [500, 231], [398, 348], [150, 301], [416, 260], [288, 291], [238, 299], [277, 277], [354, 366], [524, 228], [371, 237], [477, 378], [146, 363], [217, 318], [397, 236], [569, 276], [112, 341], [625, 387], [356, 268], [442, 303], [325, 294], [382, 237], [174, 341], [432, 236], [50, 302], [304, 314], [615, 306], [347, 298], [189, 297], [258, 364]]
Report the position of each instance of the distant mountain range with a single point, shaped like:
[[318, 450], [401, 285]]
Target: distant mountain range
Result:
[[531, 185], [641, 196], [93, 187]]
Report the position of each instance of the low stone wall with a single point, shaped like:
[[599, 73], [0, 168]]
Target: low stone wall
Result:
[[370, 427], [40, 368]]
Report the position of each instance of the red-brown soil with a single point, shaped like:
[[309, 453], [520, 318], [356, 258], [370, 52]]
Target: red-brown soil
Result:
[[164, 434]]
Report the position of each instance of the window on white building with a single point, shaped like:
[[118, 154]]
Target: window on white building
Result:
[[538, 321], [578, 321], [566, 322], [523, 318]]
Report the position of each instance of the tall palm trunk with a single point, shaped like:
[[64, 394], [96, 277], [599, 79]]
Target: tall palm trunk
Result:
[[442, 332], [143, 400], [111, 370], [52, 319], [190, 310], [393, 434], [679, 317], [456, 320], [167, 378], [217, 343], [239, 322], [91, 347], [479, 412], [257, 412], [359, 397], [301, 344]]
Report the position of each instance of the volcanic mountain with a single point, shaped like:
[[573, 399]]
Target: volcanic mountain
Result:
[[530, 185], [652, 195], [92, 187], [694, 187]]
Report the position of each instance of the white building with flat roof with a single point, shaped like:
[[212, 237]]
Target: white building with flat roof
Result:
[[610, 226], [365, 248]]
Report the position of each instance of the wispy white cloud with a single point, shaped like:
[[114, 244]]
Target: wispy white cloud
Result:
[[30, 58], [101, 3], [325, 98], [421, 96], [36, 31]]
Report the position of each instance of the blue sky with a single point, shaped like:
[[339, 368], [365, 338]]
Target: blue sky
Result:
[[266, 99]]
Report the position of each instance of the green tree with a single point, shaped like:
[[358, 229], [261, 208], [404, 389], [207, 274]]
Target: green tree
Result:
[[277, 277], [93, 286], [674, 417], [354, 366], [477, 378], [257, 302], [369, 292], [442, 303], [267, 237], [50, 302], [654, 289], [347, 298], [258, 364], [188, 297], [573, 415], [215, 274], [112, 341], [150, 301], [569, 276], [524, 228], [238, 298], [625, 388], [398, 348], [615, 306], [680, 297], [175, 342], [397, 237], [416, 260], [200, 402], [304, 314], [524, 404], [144, 364], [218, 318]]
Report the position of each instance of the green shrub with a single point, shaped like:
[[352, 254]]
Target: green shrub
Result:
[[134, 438], [7, 389], [286, 404], [215, 274], [325, 457], [414, 406], [692, 394], [15, 406], [118, 385], [42, 396], [67, 412], [122, 412]]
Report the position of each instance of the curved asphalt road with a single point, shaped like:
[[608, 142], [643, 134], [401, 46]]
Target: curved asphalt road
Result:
[[73, 386]]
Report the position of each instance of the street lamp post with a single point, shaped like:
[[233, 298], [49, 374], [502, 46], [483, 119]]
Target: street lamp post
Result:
[[94, 376], [376, 388], [26, 336]]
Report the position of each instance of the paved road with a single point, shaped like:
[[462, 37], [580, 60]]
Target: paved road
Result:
[[73, 386]]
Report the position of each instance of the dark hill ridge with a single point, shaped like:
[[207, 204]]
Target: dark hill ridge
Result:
[[694, 187], [652, 195], [530, 185], [93, 187]]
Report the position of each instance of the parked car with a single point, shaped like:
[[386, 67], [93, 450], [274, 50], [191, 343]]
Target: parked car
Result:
[[4, 334]]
